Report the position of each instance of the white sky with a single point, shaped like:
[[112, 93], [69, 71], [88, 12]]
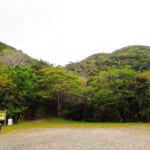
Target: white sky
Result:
[[60, 31]]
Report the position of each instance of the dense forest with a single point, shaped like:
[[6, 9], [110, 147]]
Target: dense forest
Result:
[[104, 87]]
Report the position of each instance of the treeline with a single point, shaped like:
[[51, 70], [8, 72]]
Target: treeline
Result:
[[120, 95], [136, 58]]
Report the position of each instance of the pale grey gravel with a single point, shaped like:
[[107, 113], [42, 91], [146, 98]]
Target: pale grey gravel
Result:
[[126, 138]]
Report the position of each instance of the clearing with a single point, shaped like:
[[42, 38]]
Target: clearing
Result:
[[58, 134]]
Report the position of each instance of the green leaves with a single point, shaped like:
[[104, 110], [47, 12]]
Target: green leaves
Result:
[[58, 85], [110, 88], [17, 87]]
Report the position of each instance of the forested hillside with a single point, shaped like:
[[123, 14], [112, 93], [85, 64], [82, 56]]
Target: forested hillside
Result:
[[103, 87], [136, 58], [12, 57]]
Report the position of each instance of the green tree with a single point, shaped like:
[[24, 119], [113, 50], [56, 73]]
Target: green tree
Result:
[[58, 85], [23, 95]]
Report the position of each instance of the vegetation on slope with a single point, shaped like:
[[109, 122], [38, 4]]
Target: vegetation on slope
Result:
[[132, 57], [12, 57], [117, 88]]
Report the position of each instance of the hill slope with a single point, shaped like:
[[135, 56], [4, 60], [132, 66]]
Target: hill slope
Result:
[[11, 56], [133, 57]]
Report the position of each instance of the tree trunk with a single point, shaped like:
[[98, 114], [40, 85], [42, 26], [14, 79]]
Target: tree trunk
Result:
[[6, 97], [15, 118], [122, 114], [58, 107]]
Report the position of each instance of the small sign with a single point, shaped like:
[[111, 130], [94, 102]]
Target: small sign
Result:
[[2, 115]]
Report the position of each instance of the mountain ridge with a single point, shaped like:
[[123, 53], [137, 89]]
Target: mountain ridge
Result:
[[136, 57], [13, 57]]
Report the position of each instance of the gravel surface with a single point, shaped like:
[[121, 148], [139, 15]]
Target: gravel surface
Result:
[[126, 138]]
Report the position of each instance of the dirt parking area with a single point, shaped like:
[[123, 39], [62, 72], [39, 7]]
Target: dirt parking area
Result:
[[125, 138]]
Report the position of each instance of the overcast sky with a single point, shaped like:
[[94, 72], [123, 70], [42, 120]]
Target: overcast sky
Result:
[[60, 31]]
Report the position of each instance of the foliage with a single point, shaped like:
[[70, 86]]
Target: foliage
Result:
[[57, 85], [12, 57], [103, 87], [18, 86], [132, 57]]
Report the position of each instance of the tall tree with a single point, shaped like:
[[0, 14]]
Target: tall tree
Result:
[[58, 85]]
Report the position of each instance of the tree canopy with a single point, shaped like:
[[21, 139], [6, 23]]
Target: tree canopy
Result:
[[103, 87]]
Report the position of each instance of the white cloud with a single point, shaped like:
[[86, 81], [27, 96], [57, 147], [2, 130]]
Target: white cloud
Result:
[[60, 31]]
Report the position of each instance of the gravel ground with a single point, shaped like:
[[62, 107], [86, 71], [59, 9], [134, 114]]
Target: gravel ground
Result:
[[126, 138]]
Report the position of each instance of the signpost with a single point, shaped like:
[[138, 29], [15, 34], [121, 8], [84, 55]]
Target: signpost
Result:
[[3, 116]]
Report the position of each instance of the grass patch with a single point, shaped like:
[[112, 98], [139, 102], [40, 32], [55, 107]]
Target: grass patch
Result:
[[62, 123]]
